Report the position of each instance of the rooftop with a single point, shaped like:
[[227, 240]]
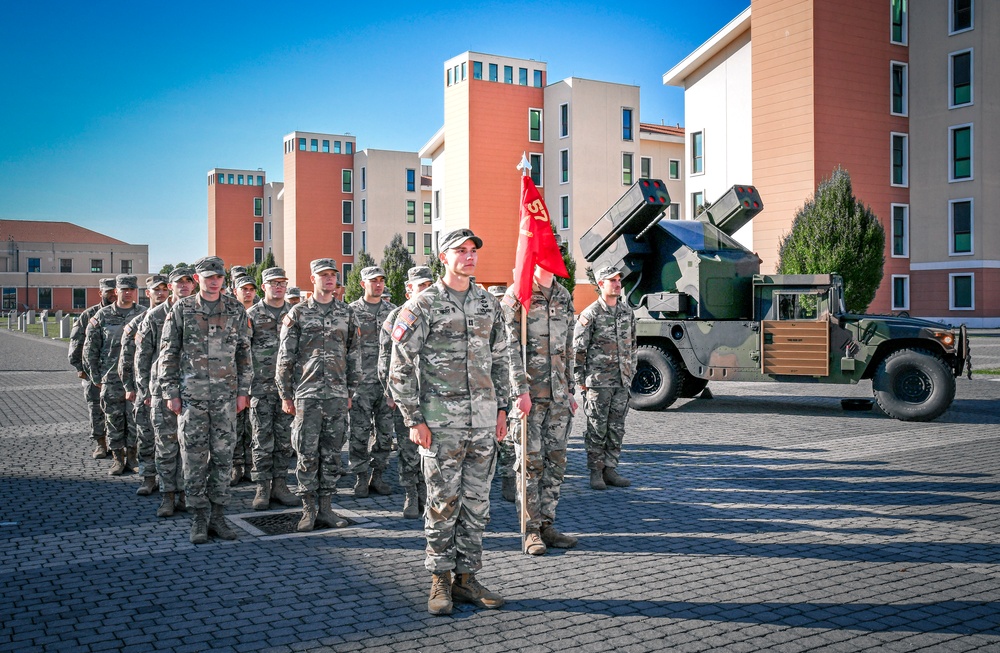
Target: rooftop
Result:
[[38, 231]]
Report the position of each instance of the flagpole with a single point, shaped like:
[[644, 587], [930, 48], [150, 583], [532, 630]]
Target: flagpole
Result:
[[523, 471]]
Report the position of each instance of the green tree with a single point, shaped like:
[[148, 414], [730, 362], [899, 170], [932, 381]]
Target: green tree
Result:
[[835, 233], [396, 260], [570, 283], [169, 267], [437, 267], [354, 290]]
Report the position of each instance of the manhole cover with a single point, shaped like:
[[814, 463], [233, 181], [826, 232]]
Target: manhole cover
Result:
[[281, 523]]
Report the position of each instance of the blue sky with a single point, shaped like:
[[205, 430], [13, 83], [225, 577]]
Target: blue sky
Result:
[[114, 112]]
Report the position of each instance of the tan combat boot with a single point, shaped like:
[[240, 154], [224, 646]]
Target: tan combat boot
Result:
[[597, 480], [118, 466], [148, 486], [439, 602], [361, 486], [166, 508], [508, 488], [235, 474], [556, 540], [533, 544], [131, 459], [377, 484], [217, 524], [411, 503], [280, 493], [326, 517], [262, 498], [199, 526], [308, 520], [612, 478], [466, 589], [100, 448]]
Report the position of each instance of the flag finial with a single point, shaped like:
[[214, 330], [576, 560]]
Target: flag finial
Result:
[[524, 166]]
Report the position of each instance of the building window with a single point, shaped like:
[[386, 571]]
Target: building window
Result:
[[232, 178], [536, 168], [960, 145], [898, 34], [269, 205], [326, 146], [79, 298], [960, 222], [535, 125], [674, 212], [314, 145], [364, 210], [10, 299], [900, 156], [349, 147], [364, 177], [44, 299], [493, 72], [258, 207], [522, 76], [427, 212], [900, 292], [260, 180], [645, 164], [563, 120], [899, 88], [302, 144], [428, 245], [239, 180], [221, 178], [563, 166], [961, 15], [697, 153], [126, 266], [411, 180], [269, 236], [477, 70], [347, 178], [697, 203], [626, 124], [411, 242], [961, 292], [66, 265], [961, 79], [674, 170], [249, 180], [564, 211], [347, 212], [347, 270], [538, 78], [336, 147], [900, 230], [411, 212], [347, 247], [258, 254], [364, 241], [508, 74], [96, 266], [448, 77], [627, 168], [465, 70]]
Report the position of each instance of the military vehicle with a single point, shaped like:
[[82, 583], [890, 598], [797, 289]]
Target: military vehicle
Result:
[[705, 313]]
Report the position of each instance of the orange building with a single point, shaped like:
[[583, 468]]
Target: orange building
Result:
[[236, 215]]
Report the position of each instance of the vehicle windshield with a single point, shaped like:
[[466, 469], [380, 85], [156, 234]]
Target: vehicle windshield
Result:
[[700, 236]]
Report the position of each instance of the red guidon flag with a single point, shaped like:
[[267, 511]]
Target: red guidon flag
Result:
[[536, 244]]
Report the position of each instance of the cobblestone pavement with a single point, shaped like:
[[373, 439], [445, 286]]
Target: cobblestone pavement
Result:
[[766, 518]]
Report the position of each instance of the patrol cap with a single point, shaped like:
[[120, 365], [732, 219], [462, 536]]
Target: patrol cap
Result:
[[372, 272], [245, 280], [107, 284], [321, 264], [607, 272], [237, 271], [155, 280], [124, 281], [457, 237], [497, 291], [272, 274], [293, 292], [179, 273], [419, 274], [209, 266]]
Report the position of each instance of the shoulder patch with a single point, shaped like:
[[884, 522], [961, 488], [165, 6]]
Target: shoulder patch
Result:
[[407, 317], [94, 322], [288, 321], [509, 300], [400, 331], [584, 320]]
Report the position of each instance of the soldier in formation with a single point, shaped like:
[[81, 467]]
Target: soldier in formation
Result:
[[205, 373], [449, 375], [272, 444], [91, 393], [101, 350], [506, 455], [245, 290], [318, 370], [546, 378], [157, 290], [604, 343], [371, 416], [293, 296]]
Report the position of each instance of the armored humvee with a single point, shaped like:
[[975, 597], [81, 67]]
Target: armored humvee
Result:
[[705, 313]]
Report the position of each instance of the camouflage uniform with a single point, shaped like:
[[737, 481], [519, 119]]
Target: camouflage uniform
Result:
[[506, 455], [243, 448], [604, 345], [272, 444], [205, 362], [101, 349], [147, 379], [319, 359], [409, 454], [548, 380], [369, 455], [449, 370], [145, 440], [91, 392]]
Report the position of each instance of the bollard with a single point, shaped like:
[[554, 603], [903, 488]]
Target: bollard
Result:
[[59, 315], [45, 328], [65, 326], [10, 320], [22, 322], [31, 317]]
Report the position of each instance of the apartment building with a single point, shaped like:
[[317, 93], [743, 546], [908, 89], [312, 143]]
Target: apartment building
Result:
[[57, 265], [791, 89], [236, 215]]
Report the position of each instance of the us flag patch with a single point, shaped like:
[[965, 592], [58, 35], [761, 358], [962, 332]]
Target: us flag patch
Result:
[[509, 300], [289, 322]]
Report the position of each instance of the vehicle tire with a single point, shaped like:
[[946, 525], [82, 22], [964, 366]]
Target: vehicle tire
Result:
[[691, 385], [913, 385], [657, 380]]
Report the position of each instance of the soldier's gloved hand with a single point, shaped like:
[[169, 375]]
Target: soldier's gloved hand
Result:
[[522, 405]]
